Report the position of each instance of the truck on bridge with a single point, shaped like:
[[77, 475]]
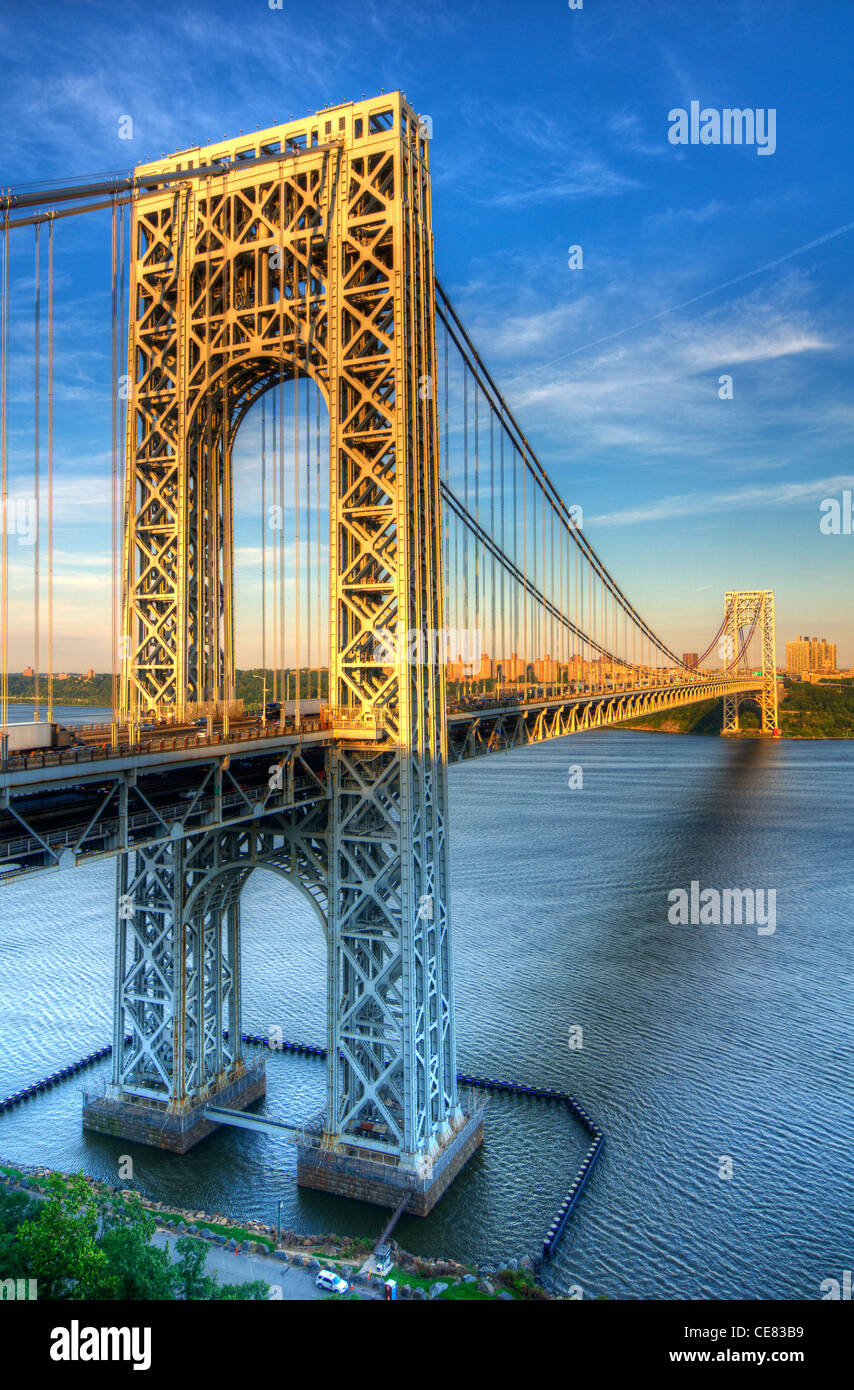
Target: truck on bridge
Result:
[[29, 738]]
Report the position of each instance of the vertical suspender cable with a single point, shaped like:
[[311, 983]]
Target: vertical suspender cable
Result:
[[123, 348], [514, 593], [555, 597], [535, 617], [296, 563], [223, 514], [492, 644], [4, 485], [297, 557], [263, 554], [317, 578], [466, 614], [36, 479], [443, 617], [283, 683], [283, 694], [308, 566], [50, 471], [477, 602], [279, 586], [503, 552], [114, 387], [207, 558], [525, 652], [275, 585], [308, 634]]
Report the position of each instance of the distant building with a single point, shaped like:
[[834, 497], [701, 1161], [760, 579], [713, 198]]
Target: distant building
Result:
[[690, 659], [28, 671], [798, 656], [545, 670], [810, 655], [90, 674], [822, 655]]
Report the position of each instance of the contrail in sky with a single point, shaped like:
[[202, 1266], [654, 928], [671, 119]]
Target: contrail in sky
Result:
[[674, 308]]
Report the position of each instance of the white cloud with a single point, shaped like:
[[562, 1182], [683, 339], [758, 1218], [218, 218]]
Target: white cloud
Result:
[[695, 504]]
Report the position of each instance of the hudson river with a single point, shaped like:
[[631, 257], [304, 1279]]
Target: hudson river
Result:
[[704, 1049]]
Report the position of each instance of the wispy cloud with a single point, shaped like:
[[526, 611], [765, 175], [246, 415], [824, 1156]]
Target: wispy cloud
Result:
[[741, 499]]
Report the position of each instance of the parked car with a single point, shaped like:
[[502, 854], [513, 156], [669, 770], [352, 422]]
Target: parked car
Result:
[[330, 1281]]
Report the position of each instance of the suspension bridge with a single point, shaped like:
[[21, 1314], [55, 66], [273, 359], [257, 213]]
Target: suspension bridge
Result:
[[426, 596]]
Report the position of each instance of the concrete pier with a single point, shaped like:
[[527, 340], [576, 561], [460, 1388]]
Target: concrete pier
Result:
[[360, 1173], [147, 1122]]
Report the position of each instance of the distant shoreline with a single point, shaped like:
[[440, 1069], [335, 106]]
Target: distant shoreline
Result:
[[742, 733], [64, 700]]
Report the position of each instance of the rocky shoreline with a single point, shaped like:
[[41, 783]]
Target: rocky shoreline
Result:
[[511, 1281]]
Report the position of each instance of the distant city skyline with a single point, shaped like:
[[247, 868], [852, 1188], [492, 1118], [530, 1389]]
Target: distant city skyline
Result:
[[801, 654]]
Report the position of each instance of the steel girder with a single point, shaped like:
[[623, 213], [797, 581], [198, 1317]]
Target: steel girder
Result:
[[128, 803]]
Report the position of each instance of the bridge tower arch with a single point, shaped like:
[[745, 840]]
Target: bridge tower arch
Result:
[[306, 250], [746, 609]]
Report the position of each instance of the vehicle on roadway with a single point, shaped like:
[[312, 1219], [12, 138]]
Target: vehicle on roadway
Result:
[[330, 1281]]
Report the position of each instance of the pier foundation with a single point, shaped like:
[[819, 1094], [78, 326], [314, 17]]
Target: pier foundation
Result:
[[348, 1170], [176, 1129]]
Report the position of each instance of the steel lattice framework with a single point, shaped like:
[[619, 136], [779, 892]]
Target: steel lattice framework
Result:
[[316, 261], [749, 610]]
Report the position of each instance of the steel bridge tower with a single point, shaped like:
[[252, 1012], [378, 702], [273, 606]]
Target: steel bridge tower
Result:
[[747, 609], [303, 250]]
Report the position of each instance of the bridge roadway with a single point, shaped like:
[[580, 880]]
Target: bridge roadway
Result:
[[61, 807]]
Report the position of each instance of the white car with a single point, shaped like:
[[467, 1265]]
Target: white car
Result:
[[330, 1281]]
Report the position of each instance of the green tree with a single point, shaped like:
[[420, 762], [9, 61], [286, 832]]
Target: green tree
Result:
[[15, 1208], [253, 1291], [192, 1281], [59, 1245], [138, 1269]]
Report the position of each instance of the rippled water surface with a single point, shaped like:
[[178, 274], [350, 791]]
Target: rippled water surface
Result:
[[699, 1043]]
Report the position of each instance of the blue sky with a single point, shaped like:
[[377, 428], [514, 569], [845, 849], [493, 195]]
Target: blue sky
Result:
[[549, 130]]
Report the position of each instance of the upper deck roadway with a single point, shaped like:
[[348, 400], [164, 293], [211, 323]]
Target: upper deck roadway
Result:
[[60, 807]]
